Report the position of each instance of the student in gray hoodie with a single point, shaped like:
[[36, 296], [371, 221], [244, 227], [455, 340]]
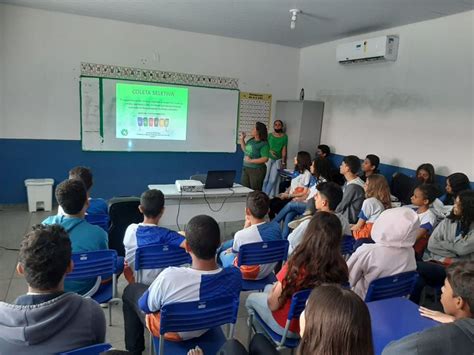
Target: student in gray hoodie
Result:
[[353, 189], [456, 335], [47, 320]]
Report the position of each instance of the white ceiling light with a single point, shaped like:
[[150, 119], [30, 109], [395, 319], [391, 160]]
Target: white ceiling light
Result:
[[294, 13]]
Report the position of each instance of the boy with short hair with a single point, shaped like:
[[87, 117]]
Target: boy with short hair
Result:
[[147, 233], [422, 198], [47, 320], [457, 335], [204, 280], [370, 166], [327, 198], [353, 189], [97, 206], [72, 197], [256, 230]]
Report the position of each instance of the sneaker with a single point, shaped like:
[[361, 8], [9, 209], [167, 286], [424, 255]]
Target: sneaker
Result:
[[294, 224]]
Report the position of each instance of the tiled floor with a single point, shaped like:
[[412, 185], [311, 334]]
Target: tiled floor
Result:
[[15, 221]]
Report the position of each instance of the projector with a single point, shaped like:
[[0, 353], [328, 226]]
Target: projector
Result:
[[189, 186]]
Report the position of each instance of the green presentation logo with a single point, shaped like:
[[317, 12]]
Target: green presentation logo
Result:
[[124, 132]]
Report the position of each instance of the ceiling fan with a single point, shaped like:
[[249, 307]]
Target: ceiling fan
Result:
[[294, 13]]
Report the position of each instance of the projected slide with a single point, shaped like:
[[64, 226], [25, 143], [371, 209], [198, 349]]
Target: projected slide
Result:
[[151, 112]]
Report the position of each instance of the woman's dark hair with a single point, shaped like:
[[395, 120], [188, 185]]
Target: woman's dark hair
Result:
[[458, 182], [324, 149], [429, 168], [303, 161], [262, 131], [322, 168], [429, 192], [466, 198], [374, 161], [317, 259], [337, 323], [282, 125]]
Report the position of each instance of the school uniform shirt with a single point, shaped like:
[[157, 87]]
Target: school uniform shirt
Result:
[[96, 206], [276, 145], [300, 181], [185, 284], [394, 234], [312, 186], [296, 236], [427, 220], [262, 232], [143, 234], [371, 210]]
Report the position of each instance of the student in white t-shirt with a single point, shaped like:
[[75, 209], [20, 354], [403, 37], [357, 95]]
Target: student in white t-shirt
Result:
[[255, 230], [148, 233], [377, 193], [327, 198], [203, 281], [422, 198], [299, 184]]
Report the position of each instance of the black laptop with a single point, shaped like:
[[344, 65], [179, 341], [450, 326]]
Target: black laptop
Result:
[[220, 179]]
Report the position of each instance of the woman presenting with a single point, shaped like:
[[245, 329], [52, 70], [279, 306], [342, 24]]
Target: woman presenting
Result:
[[256, 152], [277, 159]]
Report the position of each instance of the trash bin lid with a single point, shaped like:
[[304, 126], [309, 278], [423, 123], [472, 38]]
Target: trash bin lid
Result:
[[36, 182]]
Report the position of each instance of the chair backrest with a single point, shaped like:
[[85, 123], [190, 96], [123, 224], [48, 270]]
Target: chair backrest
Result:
[[298, 303], [263, 252], [101, 220], [123, 211], [92, 264], [347, 245], [190, 316], [399, 285], [159, 256], [89, 350]]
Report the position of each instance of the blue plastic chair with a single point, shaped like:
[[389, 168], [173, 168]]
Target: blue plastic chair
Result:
[[159, 256], [298, 303], [99, 264], [399, 285], [191, 316], [89, 350], [101, 220], [258, 254], [347, 246]]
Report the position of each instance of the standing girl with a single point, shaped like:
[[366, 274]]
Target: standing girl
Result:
[[278, 142], [256, 152]]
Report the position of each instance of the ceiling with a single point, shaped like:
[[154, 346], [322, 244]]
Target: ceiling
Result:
[[262, 20]]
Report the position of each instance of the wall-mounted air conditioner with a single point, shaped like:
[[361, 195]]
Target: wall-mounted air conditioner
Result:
[[378, 48]]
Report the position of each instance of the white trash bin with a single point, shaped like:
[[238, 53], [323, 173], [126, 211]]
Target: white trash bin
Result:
[[40, 194]]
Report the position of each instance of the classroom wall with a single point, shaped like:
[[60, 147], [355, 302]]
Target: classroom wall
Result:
[[42, 50], [415, 110]]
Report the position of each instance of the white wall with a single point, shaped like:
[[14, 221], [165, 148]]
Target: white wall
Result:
[[415, 110], [43, 50]]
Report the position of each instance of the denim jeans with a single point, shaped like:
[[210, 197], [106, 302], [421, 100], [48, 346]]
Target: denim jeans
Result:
[[134, 318], [288, 213], [271, 181]]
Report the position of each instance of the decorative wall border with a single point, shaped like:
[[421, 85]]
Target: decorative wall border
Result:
[[119, 72]]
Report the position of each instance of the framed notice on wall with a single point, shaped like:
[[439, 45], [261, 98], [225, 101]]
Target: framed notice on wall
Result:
[[254, 108]]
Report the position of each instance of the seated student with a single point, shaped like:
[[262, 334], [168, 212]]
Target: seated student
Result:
[[425, 174], [335, 322], [370, 166], [452, 240], [327, 198], [377, 193], [96, 205], [353, 189], [72, 197], [457, 335], [324, 152], [299, 184], [394, 234], [422, 198], [204, 280], [147, 233], [455, 183], [316, 260], [255, 230], [47, 320], [302, 205]]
